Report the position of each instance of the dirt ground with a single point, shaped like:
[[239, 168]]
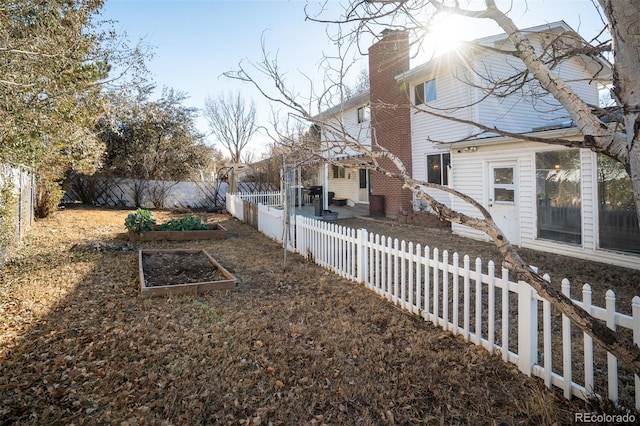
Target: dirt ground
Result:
[[79, 345], [164, 269]]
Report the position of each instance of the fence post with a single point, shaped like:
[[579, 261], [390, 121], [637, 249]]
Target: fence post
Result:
[[527, 328], [612, 361], [635, 303], [361, 250], [588, 343], [566, 344]]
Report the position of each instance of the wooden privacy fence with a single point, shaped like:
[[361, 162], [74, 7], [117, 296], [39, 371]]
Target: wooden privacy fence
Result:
[[477, 302]]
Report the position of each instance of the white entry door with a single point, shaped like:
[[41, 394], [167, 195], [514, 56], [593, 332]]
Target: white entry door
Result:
[[503, 199]]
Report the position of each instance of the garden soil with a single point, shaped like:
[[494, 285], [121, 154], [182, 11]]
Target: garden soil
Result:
[[79, 345], [174, 268]]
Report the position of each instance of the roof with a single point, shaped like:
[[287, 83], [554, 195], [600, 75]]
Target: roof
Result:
[[602, 66], [564, 130], [357, 100]]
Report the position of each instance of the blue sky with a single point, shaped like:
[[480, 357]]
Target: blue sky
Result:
[[195, 41]]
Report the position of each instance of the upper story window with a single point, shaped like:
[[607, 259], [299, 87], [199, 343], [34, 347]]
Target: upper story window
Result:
[[426, 92], [364, 114], [438, 168]]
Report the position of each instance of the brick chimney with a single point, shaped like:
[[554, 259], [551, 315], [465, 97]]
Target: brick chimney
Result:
[[390, 116]]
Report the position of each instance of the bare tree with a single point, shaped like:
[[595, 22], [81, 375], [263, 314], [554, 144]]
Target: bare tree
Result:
[[231, 122], [360, 85], [617, 138]]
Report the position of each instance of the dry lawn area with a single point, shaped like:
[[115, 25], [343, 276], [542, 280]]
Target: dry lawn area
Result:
[[79, 345]]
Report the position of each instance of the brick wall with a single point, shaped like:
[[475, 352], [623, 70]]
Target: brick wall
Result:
[[390, 117]]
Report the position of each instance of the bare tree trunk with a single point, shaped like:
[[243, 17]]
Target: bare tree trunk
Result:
[[624, 24]]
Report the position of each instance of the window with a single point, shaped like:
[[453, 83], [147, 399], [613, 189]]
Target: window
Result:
[[504, 188], [364, 114], [618, 221], [338, 172], [362, 178], [438, 168], [558, 195], [426, 92]]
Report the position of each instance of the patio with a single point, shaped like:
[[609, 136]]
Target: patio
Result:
[[344, 212]]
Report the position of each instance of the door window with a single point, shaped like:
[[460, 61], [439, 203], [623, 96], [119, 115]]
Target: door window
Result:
[[504, 188]]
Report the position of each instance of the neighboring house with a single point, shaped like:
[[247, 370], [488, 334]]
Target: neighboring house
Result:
[[545, 197]]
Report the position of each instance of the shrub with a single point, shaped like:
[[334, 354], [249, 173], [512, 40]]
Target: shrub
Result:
[[48, 196], [187, 223], [140, 222]]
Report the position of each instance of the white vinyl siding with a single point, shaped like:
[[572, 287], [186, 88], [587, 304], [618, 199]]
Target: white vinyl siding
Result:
[[470, 177], [514, 113], [589, 193], [430, 134], [450, 91], [347, 186], [357, 131], [522, 112]]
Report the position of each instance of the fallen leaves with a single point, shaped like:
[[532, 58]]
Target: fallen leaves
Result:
[[78, 345]]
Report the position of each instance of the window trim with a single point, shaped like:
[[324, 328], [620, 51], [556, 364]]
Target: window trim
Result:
[[506, 186], [338, 172], [444, 167], [426, 92], [364, 114], [554, 232]]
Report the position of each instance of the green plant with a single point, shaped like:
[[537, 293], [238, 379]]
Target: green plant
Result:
[[187, 223], [48, 196], [139, 222], [212, 315]]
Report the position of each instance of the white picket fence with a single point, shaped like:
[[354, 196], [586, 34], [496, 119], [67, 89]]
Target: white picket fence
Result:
[[486, 309], [270, 199]]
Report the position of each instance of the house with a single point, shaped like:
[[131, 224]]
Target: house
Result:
[[545, 197], [343, 179]]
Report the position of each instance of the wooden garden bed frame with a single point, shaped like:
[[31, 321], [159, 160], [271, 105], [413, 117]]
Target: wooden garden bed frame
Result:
[[215, 232], [229, 283]]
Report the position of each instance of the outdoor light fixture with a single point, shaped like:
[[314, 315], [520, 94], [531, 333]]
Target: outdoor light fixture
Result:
[[470, 149]]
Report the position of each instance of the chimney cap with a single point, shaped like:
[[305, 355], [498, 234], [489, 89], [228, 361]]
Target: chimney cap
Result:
[[386, 32]]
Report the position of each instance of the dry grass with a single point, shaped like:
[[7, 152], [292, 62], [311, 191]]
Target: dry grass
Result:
[[600, 276], [79, 345]]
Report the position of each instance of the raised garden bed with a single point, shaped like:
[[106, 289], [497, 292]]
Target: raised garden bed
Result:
[[181, 271], [214, 231]]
